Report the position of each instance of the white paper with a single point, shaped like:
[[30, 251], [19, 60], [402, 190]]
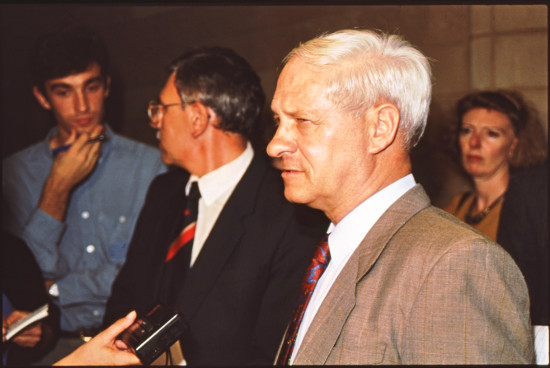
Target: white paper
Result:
[[24, 322]]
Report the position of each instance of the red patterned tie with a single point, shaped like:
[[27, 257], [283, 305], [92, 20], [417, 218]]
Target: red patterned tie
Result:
[[318, 264], [189, 223]]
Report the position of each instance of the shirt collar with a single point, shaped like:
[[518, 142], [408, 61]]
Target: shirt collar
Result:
[[214, 184], [345, 237]]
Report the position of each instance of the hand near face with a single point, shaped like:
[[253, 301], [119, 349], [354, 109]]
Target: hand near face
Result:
[[72, 166], [69, 169], [104, 349], [30, 336]]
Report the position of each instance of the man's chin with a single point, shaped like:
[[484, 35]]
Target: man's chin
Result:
[[166, 159], [294, 196], [88, 129]]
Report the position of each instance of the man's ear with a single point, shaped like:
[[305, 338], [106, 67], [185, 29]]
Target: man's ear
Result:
[[384, 129], [107, 86], [42, 100], [202, 116]]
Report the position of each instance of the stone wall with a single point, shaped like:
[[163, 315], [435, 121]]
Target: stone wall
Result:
[[471, 46]]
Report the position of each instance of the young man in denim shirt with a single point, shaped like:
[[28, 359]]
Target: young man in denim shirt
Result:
[[75, 196]]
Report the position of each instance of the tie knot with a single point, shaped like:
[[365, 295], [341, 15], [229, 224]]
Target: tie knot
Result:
[[194, 191]]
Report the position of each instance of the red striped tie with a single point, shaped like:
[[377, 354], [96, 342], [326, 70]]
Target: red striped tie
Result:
[[318, 264], [189, 223]]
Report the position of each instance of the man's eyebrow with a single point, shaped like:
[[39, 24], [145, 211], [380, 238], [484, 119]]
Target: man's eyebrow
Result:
[[69, 86], [94, 80], [59, 85]]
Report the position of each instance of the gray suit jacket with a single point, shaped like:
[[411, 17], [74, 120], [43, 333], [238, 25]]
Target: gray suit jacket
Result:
[[423, 288]]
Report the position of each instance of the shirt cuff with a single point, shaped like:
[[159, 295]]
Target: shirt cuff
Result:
[[43, 228]]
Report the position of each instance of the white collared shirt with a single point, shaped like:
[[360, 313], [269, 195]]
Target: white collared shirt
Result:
[[344, 238], [216, 188]]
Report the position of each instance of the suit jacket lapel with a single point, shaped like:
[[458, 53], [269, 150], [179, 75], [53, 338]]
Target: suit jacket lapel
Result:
[[223, 238], [331, 317], [169, 220]]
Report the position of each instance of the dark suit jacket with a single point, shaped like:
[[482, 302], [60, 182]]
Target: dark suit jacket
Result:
[[523, 232], [239, 294]]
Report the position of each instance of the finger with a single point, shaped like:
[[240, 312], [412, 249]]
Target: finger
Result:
[[94, 133], [81, 141], [26, 341], [92, 152], [72, 137], [33, 330], [97, 130], [121, 345], [91, 149], [15, 316], [116, 328]]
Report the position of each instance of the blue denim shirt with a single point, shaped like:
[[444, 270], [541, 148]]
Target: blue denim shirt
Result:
[[85, 252]]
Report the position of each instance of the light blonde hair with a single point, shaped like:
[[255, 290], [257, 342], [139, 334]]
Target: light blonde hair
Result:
[[368, 67]]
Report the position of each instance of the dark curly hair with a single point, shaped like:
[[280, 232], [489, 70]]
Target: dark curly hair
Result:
[[223, 81], [67, 51], [532, 149]]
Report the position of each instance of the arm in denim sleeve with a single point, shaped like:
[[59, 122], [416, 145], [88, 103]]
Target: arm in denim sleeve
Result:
[[43, 234], [22, 179]]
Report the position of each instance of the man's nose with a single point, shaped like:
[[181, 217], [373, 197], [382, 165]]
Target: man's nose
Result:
[[81, 101], [281, 142]]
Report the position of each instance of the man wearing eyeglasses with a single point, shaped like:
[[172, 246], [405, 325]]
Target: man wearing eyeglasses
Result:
[[236, 276], [75, 197]]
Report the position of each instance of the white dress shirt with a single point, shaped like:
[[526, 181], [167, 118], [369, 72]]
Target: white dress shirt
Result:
[[541, 344], [216, 188], [344, 238]]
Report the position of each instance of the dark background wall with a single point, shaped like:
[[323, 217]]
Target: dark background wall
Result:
[[471, 46]]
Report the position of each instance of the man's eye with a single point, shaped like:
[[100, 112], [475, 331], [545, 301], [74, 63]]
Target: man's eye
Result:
[[464, 131], [94, 87], [304, 121], [493, 134], [61, 92]]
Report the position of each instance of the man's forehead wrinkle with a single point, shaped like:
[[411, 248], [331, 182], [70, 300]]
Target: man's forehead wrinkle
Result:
[[288, 103], [298, 87]]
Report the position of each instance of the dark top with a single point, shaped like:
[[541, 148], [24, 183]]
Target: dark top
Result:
[[240, 292], [22, 281], [23, 285], [523, 232]]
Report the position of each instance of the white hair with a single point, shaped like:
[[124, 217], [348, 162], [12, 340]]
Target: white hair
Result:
[[368, 68]]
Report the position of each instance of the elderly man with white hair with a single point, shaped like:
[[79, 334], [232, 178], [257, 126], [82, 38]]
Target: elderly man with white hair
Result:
[[405, 283]]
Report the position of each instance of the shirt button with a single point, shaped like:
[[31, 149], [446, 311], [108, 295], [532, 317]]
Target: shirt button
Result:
[[122, 219], [95, 312], [85, 215], [90, 248]]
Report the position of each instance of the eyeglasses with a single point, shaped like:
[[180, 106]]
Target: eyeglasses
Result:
[[156, 109]]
